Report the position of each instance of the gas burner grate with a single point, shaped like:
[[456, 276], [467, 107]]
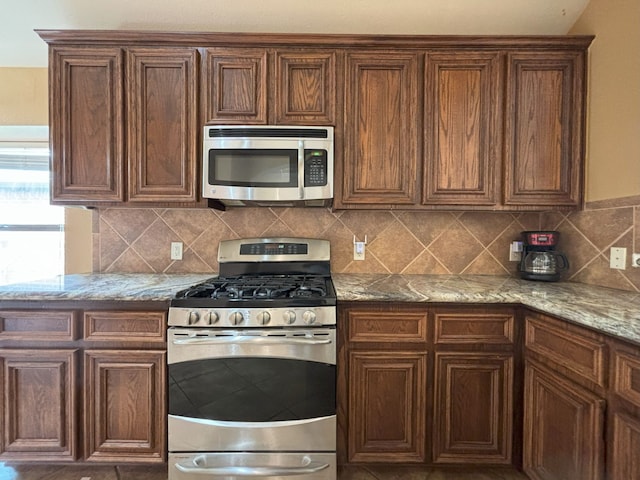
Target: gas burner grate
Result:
[[259, 287]]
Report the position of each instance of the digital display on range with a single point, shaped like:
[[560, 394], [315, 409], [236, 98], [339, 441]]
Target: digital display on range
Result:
[[274, 249]]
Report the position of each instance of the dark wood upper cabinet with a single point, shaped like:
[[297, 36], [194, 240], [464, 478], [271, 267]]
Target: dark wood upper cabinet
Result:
[[421, 122], [462, 128], [163, 124], [305, 87], [544, 144], [381, 140], [278, 86], [86, 120], [235, 85], [94, 96]]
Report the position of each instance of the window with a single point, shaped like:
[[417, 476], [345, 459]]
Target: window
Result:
[[31, 230]]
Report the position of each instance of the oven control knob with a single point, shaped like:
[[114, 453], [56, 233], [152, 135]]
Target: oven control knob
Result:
[[211, 317], [309, 317], [263, 318], [236, 318], [289, 317], [193, 318]]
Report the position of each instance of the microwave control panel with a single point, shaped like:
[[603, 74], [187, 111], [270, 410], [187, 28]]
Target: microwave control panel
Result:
[[315, 168]]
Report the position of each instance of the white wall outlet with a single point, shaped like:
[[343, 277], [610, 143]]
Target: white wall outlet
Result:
[[635, 259], [176, 250], [515, 251], [618, 258], [358, 250]]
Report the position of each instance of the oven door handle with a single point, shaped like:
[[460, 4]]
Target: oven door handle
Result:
[[246, 339], [196, 465]]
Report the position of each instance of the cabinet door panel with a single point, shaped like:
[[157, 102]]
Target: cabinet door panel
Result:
[[125, 412], [473, 408], [235, 85], [162, 127], [381, 134], [544, 129], [87, 139], [563, 428], [38, 405], [387, 407], [462, 128], [625, 457], [305, 86]]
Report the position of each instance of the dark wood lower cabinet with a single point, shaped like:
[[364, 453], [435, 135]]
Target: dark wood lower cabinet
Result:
[[563, 428], [39, 410], [473, 410], [624, 463], [99, 396], [387, 413], [124, 408]]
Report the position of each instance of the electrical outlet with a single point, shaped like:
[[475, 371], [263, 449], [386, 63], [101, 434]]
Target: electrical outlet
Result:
[[176, 250], [515, 251], [358, 250], [618, 258], [635, 259]]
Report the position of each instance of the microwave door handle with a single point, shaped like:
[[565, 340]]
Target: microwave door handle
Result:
[[301, 170], [194, 466]]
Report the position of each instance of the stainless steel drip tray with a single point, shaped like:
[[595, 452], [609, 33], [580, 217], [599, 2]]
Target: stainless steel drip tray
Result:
[[228, 466]]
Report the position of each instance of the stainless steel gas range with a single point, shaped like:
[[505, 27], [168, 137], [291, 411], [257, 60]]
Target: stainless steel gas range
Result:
[[252, 365]]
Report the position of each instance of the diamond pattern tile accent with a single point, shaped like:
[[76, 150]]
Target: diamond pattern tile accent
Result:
[[137, 240]]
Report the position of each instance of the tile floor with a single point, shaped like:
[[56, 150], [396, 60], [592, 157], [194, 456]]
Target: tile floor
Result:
[[159, 472]]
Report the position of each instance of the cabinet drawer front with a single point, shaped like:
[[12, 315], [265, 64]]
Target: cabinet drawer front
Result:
[[474, 328], [387, 327], [46, 325], [125, 326], [626, 376], [579, 351]]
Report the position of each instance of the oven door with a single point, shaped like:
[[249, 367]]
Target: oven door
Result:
[[252, 390]]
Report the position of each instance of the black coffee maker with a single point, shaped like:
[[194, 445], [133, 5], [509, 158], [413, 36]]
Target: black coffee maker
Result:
[[540, 261]]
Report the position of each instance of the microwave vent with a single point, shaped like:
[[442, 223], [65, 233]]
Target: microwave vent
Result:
[[252, 132]]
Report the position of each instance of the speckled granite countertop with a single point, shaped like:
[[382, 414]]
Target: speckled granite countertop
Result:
[[116, 287], [615, 312]]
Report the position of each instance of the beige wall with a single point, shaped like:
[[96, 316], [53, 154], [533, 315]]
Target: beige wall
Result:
[[23, 96], [613, 147]]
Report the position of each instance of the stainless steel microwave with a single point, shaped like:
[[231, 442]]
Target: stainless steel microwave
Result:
[[268, 165]]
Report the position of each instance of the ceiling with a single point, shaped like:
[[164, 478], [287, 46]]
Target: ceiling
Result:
[[20, 46]]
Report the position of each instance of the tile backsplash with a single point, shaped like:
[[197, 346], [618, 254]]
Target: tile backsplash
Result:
[[587, 236], [138, 240]]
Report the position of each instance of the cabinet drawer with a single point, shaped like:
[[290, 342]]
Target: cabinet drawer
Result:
[[567, 346], [125, 326], [387, 326], [626, 376], [473, 327], [40, 325]]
